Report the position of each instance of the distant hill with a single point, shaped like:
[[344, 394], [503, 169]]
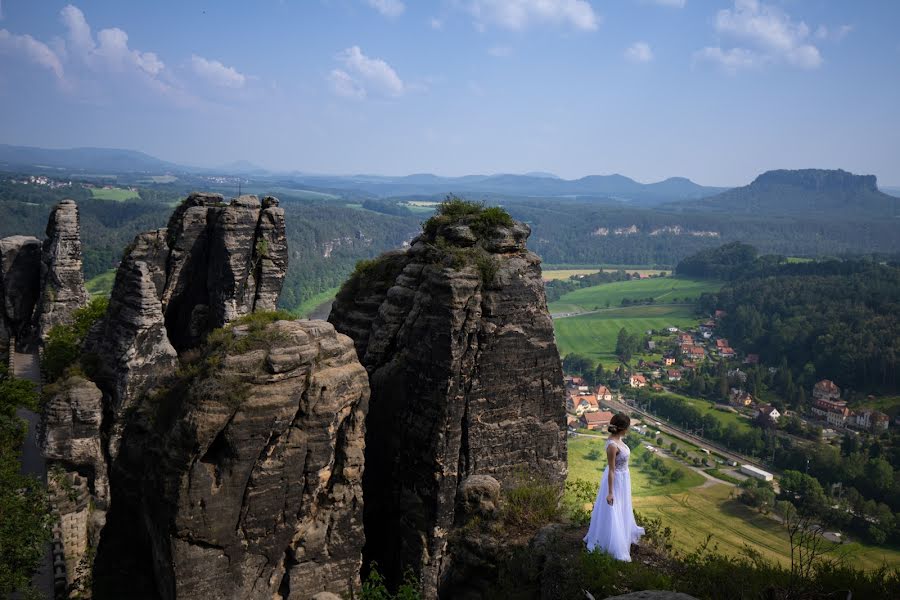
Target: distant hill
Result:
[[813, 192], [89, 160], [893, 191], [541, 185], [98, 161]]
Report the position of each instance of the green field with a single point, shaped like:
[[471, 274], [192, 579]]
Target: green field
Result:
[[550, 274], [661, 289], [310, 304], [695, 508], [594, 335], [709, 511], [117, 194], [721, 414], [102, 284], [642, 484]]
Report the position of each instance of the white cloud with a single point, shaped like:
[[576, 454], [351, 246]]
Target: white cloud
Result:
[[217, 73], [80, 39], [436, 23], [363, 75], [389, 8], [35, 51], [639, 52], [500, 51], [825, 33], [521, 14], [731, 60], [762, 34]]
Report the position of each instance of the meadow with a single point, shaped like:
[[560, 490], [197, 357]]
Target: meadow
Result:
[[697, 509], [116, 194], [551, 274], [102, 284], [661, 289], [724, 416], [594, 335]]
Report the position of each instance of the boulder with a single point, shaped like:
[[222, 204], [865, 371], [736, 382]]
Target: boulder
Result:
[[20, 279]]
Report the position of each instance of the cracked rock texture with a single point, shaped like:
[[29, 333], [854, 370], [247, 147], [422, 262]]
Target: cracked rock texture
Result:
[[20, 280], [465, 380], [62, 280], [215, 262], [243, 480]]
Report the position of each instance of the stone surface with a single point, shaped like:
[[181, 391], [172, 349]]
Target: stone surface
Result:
[[78, 483], [480, 494], [465, 378], [62, 288], [131, 343], [244, 481], [20, 279]]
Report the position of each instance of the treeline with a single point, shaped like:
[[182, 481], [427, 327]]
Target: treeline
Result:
[[855, 486], [556, 288], [833, 319], [676, 410], [724, 262]]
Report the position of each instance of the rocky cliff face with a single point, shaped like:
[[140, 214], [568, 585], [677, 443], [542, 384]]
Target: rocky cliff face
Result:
[[20, 277], [465, 380], [62, 280], [242, 479]]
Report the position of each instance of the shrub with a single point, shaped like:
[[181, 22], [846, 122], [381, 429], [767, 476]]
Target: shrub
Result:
[[62, 349], [374, 587], [529, 502]]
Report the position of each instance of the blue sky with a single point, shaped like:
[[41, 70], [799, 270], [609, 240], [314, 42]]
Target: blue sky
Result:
[[714, 90]]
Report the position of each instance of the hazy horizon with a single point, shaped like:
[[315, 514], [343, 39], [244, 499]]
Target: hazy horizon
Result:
[[717, 92]]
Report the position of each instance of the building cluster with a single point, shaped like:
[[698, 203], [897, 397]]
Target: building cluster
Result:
[[828, 406], [44, 181], [583, 405]]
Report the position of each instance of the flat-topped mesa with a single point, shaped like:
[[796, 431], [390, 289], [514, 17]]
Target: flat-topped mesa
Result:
[[62, 288], [242, 479], [465, 379]]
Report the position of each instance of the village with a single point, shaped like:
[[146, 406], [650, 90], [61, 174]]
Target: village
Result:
[[677, 353]]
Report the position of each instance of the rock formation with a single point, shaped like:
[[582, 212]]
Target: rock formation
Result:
[[62, 280], [79, 488], [465, 380], [20, 277], [245, 476]]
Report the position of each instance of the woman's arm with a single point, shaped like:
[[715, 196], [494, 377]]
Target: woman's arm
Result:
[[611, 452]]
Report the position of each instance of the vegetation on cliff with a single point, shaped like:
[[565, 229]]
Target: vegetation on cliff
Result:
[[62, 348], [24, 509]]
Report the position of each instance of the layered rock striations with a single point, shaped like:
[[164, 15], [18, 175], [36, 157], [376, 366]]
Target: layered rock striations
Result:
[[62, 288], [20, 279], [465, 380], [242, 479]]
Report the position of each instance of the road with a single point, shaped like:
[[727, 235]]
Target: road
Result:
[[672, 430]]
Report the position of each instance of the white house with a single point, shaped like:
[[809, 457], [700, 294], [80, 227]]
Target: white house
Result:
[[769, 411]]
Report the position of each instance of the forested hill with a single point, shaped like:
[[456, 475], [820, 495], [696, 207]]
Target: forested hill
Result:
[[808, 192], [832, 319]]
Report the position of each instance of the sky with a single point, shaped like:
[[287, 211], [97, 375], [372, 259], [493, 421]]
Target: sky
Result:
[[714, 90]]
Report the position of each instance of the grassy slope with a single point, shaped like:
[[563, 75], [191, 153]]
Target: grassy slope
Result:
[[694, 512], [642, 484], [724, 417], [306, 307], [661, 289], [117, 194], [102, 284], [594, 335]]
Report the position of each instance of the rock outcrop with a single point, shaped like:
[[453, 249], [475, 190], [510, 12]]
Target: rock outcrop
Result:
[[214, 263], [465, 380], [243, 479], [62, 288], [20, 279], [78, 484]]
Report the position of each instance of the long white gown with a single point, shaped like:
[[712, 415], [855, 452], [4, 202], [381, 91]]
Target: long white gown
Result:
[[613, 528]]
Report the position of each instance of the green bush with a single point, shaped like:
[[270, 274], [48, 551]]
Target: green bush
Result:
[[529, 502], [374, 587], [62, 349]]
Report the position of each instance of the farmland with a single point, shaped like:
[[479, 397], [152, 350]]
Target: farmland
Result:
[[660, 289], [116, 194], [551, 274], [594, 334]]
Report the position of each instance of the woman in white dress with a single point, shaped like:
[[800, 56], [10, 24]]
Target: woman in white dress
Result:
[[613, 528]]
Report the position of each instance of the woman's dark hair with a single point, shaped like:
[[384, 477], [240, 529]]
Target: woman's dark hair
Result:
[[619, 423]]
